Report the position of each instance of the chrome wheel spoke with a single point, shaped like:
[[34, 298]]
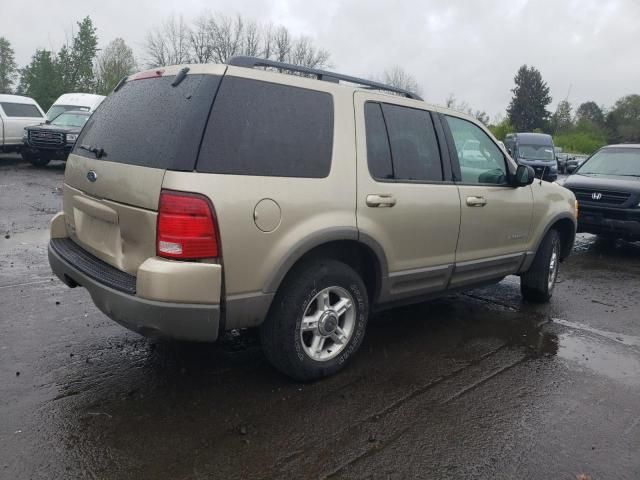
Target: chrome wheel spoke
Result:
[[310, 322], [324, 301], [342, 306], [317, 344], [339, 337]]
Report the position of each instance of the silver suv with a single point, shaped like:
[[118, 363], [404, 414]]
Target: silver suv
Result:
[[208, 198]]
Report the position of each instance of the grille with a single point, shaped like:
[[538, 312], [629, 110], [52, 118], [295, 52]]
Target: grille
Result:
[[39, 138], [604, 196], [94, 267]]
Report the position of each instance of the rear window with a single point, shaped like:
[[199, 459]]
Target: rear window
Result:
[[267, 129], [20, 110], [151, 123]]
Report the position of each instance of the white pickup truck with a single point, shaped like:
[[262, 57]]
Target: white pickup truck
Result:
[[16, 113]]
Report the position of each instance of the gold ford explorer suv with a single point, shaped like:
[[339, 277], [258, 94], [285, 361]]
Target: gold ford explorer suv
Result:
[[208, 198]]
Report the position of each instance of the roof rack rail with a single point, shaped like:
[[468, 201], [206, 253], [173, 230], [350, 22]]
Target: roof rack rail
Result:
[[252, 62]]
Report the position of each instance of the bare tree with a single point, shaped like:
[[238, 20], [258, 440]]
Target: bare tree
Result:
[[218, 37], [199, 40], [282, 39], [461, 106], [399, 78], [304, 53], [226, 36], [169, 44], [252, 39]]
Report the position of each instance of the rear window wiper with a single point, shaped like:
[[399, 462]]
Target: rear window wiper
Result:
[[97, 151], [182, 74]]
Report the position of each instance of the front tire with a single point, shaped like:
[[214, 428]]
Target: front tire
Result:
[[36, 158], [538, 282], [317, 321]]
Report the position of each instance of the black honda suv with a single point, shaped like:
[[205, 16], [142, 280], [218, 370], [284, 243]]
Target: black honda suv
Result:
[[53, 139], [607, 187]]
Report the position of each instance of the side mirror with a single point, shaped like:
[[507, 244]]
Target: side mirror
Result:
[[47, 122], [571, 168], [525, 175]]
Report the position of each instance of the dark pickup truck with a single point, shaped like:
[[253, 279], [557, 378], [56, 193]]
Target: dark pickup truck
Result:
[[607, 187], [53, 140]]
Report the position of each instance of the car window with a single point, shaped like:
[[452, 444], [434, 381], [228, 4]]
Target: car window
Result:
[[150, 123], [20, 110], [56, 110], [378, 150], [70, 120], [481, 160], [268, 129], [624, 161], [401, 143]]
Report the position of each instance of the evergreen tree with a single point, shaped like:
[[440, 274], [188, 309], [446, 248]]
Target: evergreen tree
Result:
[[528, 108], [8, 66], [41, 80], [561, 120], [75, 63]]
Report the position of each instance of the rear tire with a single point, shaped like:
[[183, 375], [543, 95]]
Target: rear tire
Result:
[[538, 282], [317, 320]]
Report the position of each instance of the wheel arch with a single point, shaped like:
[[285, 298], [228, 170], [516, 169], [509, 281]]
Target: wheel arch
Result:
[[360, 252], [566, 227]]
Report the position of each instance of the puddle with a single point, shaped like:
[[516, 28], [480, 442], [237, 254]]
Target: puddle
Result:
[[601, 357], [613, 355], [629, 340]]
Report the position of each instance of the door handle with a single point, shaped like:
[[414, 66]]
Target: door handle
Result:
[[476, 201], [381, 200]]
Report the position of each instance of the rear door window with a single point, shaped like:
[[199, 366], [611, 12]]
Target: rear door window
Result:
[[24, 110], [401, 143], [150, 123], [268, 129]]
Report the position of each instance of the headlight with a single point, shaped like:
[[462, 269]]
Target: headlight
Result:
[[71, 138], [24, 134]]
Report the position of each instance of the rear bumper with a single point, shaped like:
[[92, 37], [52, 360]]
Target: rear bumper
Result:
[[152, 318]]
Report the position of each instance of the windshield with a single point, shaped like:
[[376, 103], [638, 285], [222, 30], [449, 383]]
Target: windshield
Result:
[[56, 110], [70, 120], [536, 152], [613, 161]]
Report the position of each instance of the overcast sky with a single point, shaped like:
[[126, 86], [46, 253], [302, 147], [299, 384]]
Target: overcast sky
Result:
[[470, 48]]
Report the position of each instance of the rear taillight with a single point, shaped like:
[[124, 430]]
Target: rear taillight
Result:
[[187, 228]]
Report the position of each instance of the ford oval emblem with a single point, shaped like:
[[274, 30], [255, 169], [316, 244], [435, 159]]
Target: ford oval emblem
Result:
[[92, 176]]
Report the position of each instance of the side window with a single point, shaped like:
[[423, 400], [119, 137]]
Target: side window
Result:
[[268, 129], [414, 147], [481, 161], [20, 110], [378, 151]]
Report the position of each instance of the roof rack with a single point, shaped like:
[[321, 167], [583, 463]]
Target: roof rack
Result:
[[252, 62]]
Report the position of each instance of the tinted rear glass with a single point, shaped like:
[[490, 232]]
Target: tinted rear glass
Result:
[[150, 123], [378, 151], [414, 146], [20, 110], [260, 128]]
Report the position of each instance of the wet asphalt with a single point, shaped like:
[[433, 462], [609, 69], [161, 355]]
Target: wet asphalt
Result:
[[477, 385]]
